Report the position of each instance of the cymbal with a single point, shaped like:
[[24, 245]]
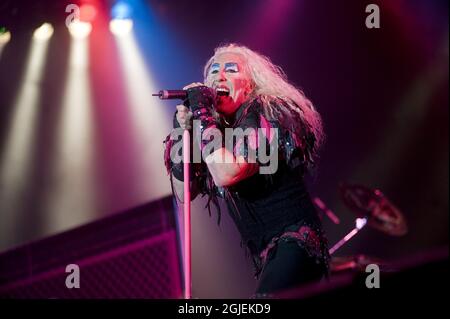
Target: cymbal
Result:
[[381, 214]]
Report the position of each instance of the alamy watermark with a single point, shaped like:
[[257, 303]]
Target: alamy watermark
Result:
[[373, 279], [74, 14], [73, 279], [373, 19], [260, 145]]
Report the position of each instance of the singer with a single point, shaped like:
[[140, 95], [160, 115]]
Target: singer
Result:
[[274, 214]]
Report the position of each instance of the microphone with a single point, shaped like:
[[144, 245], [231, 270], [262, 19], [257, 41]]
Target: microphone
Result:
[[182, 94], [171, 94]]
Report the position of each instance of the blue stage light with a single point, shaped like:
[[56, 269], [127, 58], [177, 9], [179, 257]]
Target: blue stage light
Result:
[[121, 10]]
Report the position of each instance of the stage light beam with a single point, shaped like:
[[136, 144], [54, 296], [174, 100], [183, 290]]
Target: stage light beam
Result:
[[44, 32], [5, 37], [16, 158], [74, 201], [149, 117], [80, 29], [120, 27]]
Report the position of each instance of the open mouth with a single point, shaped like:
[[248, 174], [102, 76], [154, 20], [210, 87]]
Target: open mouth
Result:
[[222, 91]]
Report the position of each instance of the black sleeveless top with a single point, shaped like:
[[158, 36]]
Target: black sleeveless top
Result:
[[269, 208]]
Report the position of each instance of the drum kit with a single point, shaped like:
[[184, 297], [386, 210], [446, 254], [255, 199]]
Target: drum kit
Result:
[[372, 208]]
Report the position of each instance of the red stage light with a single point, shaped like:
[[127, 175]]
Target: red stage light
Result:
[[87, 13]]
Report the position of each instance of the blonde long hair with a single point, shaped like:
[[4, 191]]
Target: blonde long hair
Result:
[[272, 87]]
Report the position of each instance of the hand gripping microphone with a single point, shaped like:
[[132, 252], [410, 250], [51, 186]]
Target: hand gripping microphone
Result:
[[182, 94]]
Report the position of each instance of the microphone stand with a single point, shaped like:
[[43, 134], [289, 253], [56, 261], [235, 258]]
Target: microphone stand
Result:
[[181, 94], [187, 216], [175, 94]]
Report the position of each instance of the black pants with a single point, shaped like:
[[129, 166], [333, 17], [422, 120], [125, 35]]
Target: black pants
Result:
[[290, 267]]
